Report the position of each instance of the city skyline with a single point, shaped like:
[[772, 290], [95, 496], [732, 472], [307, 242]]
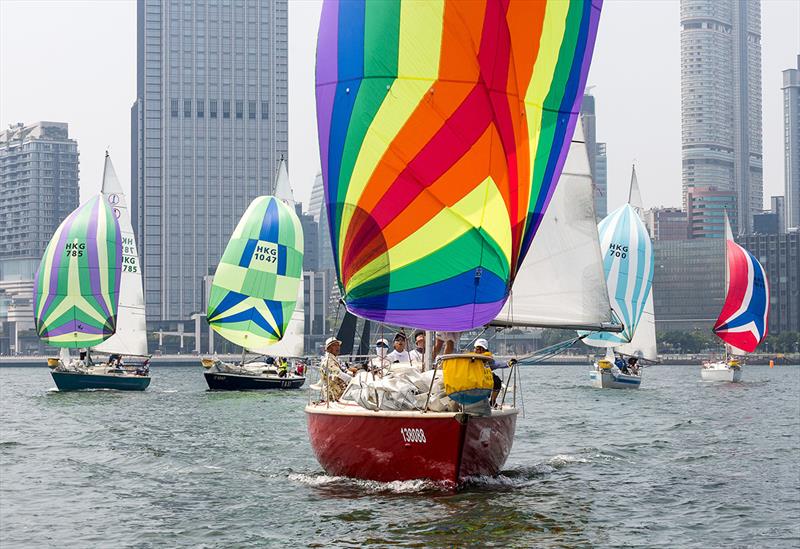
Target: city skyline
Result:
[[94, 94]]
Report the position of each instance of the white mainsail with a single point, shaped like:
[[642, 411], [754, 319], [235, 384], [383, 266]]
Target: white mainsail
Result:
[[561, 283], [131, 336]]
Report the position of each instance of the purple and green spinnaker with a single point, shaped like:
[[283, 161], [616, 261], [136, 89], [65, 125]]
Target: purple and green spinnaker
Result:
[[76, 291]]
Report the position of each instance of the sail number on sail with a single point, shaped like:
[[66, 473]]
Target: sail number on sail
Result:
[[74, 249], [129, 255], [265, 252], [618, 250], [413, 435]]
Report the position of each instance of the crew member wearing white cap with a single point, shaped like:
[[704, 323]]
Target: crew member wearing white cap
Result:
[[381, 350], [482, 348], [334, 377]]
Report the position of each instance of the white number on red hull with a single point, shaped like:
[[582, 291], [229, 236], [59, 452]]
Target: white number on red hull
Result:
[[413, 435]]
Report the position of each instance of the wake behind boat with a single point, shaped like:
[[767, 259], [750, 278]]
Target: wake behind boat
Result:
[[256, 296]]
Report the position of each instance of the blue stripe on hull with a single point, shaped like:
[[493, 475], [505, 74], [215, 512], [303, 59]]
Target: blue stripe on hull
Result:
[[67, 381]]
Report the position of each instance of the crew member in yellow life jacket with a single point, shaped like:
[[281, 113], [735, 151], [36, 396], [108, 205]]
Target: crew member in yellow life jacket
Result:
[[482, 348]]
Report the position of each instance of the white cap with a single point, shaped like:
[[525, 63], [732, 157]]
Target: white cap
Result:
[[381, 341], [480, 342], [331, 340]]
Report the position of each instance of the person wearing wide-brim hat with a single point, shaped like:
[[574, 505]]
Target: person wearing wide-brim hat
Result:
[[334, 377]]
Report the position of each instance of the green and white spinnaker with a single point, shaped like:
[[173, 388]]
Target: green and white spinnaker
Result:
[[257, 280]]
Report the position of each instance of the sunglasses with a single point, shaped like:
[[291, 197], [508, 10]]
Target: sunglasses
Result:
[[383, 345]]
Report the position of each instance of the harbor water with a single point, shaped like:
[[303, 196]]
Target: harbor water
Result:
[[678, 463]]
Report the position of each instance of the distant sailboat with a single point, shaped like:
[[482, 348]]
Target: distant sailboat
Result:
[[254, 295], [742, 323], [629, 265], [88, 294]]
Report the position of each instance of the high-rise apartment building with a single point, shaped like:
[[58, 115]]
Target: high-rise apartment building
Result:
[[791, 141], [598, 162], [721, 102], [38, 189], [211, 126]]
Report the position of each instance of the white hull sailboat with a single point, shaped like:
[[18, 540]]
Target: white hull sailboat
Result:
[[629, 263], [721, 371], [742, 323]]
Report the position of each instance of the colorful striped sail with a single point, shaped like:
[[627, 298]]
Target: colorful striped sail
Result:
[[77, 286], [742, 323], [443, 129], [256, 284], [628, 262]]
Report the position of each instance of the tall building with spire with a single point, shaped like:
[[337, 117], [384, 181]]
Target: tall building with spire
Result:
[[791, 140], [721, 103], [210, 125]]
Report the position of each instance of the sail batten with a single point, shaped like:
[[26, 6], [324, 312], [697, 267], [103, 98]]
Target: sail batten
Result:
[[443, 129]]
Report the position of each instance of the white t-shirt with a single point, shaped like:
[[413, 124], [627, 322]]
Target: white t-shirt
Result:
[[398, 356]]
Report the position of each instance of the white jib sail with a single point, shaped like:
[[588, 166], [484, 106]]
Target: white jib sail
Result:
[[562, 283], [643, 343], [283, 189], [131, 336]]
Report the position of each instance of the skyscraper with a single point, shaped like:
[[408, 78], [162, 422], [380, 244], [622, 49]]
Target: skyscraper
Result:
[[211, 125], [598, 162], [38, 189], [721, 102], [791, 140]]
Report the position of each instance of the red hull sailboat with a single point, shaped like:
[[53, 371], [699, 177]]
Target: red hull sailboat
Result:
[[447, 447], [443, 130]]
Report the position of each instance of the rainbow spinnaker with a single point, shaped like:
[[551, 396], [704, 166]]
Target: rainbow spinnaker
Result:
[[443, 129]]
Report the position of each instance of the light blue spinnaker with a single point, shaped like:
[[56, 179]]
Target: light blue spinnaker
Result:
[[628, 263]]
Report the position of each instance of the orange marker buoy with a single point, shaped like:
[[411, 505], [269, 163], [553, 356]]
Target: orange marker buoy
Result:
[[771, 363]]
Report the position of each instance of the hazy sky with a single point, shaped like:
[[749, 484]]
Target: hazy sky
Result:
[[75, 62]]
